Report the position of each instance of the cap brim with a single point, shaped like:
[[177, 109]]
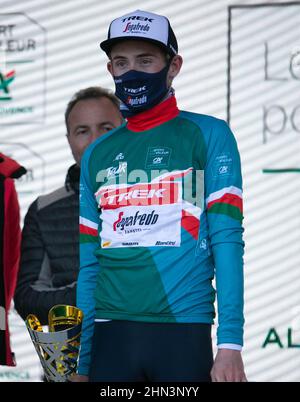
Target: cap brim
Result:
[[109, 43]]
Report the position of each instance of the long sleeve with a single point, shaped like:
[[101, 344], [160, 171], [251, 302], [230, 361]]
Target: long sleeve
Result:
[[89, 266], [223, 192]]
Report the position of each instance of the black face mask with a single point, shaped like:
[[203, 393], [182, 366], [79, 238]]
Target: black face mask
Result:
[[140, 91]]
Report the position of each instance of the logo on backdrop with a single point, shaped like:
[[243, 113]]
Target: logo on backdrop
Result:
[[263, 100], [5, 81], [287, 336], [22, 69], [278, 118]]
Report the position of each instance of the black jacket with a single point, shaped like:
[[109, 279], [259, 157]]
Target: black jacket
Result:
[[50, 251]]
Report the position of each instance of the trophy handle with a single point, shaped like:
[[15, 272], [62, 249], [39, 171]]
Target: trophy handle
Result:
[[62, 317], [33, 322]]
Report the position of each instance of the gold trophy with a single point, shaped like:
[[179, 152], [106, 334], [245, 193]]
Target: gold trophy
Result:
[[57, 349]]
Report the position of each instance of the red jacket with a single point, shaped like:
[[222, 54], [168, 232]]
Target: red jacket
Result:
[[10, 238]]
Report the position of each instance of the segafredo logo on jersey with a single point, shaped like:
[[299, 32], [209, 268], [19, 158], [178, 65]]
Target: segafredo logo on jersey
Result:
[[135, 223], [138, 194]]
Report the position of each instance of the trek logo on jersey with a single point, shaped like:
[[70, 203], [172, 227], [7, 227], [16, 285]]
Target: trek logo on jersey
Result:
[[135, 223], [138, 194]]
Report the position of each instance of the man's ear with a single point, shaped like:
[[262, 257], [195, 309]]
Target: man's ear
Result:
[[174, 68], [110, 68], [175, 65]]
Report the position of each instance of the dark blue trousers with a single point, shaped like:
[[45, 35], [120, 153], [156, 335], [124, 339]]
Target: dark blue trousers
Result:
[[133, 351]]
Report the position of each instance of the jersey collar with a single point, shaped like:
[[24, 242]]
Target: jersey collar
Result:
[[156, 116]]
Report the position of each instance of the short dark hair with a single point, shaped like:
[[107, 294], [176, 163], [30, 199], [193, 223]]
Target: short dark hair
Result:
[[90, 93]]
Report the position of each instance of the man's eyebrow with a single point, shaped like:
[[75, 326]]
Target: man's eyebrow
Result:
[[146, 55], [105, 122], [138, 55], [118, 57], [81, 126]]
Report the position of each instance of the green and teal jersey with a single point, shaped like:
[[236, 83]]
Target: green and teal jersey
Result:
[[160, 217]]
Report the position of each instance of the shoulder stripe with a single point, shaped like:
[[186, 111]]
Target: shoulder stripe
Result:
[[226, 190], [86, 222], [227, 198]]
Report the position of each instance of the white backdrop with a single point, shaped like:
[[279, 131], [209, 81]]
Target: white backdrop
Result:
[[51, 49]]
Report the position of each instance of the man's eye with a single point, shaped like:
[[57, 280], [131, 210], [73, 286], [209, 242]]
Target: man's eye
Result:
[[108, 128], [121, 63], [145, 61], [81, 132]]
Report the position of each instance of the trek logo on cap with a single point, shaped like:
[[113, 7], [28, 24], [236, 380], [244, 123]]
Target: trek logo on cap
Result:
[[137, 17], [136, 28]]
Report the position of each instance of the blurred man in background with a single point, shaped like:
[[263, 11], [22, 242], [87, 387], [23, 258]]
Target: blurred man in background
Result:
[[50, 252]]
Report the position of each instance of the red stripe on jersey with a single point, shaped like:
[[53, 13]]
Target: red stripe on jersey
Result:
[[190, 223], [228, 198], [87, 230]]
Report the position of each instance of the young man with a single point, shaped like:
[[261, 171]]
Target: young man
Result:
[[161, 211], [49, 254]]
